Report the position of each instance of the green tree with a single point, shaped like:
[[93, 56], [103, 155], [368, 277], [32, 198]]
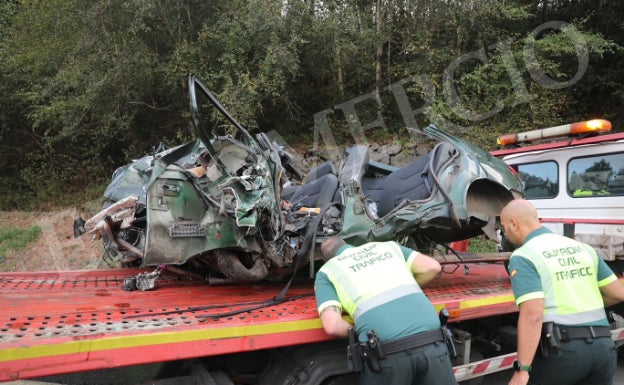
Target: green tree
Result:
[[95, 85], [89, 85]]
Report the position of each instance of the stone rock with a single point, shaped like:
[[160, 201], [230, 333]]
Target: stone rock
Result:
[[393, 149]]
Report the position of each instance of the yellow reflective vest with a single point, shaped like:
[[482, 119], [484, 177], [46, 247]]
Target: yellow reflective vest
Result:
[[568, 271], [370, 275]]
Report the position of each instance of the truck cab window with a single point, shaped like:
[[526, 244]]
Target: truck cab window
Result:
[[596, 175], [540, 179]]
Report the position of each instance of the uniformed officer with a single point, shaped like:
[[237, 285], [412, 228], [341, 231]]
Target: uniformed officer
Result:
[[561, 287], [379, 285]]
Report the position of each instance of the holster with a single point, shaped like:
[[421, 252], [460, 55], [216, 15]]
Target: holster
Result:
[[373, 350], [446, 333], [370, 352], [354, 353], [551, 338]]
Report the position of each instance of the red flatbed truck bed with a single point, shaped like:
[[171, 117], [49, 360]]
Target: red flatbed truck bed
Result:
[[62, 322]]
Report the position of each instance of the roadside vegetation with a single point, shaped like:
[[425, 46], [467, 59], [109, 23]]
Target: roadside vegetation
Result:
[[16, 239], [482, 245], [88, 85]]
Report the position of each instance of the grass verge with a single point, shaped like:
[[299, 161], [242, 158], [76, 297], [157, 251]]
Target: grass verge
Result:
[[12, 238]]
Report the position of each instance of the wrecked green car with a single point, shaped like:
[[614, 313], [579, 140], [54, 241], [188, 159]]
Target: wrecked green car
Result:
[[231, 207]]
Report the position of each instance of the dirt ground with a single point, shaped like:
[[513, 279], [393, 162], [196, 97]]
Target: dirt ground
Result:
[[55, 248]]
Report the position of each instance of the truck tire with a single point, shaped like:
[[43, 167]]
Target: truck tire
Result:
[[322, 363]]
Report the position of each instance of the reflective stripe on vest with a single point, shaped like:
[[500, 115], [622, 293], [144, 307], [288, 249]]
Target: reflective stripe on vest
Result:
[[385, 297], [370, 275], [568, 272]]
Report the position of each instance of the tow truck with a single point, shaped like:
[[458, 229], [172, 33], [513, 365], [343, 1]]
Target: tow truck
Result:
[[60, 322], [574, 176], [63, 322]]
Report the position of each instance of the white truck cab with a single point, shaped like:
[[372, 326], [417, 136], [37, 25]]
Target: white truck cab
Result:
[[574, 175]]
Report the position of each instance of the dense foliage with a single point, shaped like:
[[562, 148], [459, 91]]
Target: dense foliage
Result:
[[87, 85]]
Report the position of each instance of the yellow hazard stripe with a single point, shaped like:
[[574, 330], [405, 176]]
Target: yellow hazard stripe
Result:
[[479, 302], [472, 303], [154, 338]]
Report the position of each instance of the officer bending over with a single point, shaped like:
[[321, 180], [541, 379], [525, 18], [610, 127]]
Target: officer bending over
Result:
[[397, 338]]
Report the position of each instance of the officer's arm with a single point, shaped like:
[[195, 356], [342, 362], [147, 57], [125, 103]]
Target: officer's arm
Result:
[[613, 293], [424, 268], [333, 323], [529, 333]]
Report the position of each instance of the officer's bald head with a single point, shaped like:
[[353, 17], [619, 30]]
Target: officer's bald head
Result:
[[522, 210], [519, 218], [330, 247]]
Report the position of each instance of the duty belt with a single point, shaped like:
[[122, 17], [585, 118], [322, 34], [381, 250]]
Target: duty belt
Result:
[[374, 350], [569, 333], [413, 341], [554, 335]]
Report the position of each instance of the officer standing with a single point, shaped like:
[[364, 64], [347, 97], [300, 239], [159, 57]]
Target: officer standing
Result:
[[379, 285], [561, 287]]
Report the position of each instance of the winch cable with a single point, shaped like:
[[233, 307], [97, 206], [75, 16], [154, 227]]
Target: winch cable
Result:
[[452, 251], [253, 305], [461, 260], [261, 305]]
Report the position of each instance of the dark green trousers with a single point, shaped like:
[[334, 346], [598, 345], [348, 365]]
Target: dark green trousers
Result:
[[427, 365], [578, 362]]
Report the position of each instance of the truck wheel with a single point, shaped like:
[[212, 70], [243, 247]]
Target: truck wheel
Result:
[[313, 364], [192, 371], [345, 379]]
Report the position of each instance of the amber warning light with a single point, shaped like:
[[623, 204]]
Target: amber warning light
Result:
[[586, 127]]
